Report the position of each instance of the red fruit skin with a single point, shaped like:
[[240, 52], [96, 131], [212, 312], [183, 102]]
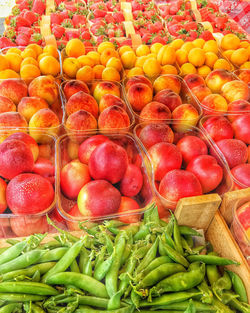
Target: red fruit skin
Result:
[[29, 194], [15, 158], [242, 174], [178, 184], [243, 214], [241, 128], [239, 107], [132, 181], [171, 99], [26, 226], [234, 151], [88, 146], [218, 128], [45, 168], [98, 198], [73, 177], [165, 157], [3, 203], [191, 147], [108, 161], [129, 205], [207, 170]]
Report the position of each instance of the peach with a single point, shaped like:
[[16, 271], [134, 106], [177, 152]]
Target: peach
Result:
[[139, 95], [171, 99], [241, 172], [186, 116], [235, 90], [155, 133], [194, 80], [217, 78], [244, 75], [248, 149], [45, 168], [129, 205], [241, 128], [45, 151], [167, 81], [6, 105], [98, 198], [243, 213], [161, 163], [178, 184], [12, 119], [73, 177], [72, 149], [81, 120], [82, 101], [28, 140], [214, 103], [105, 87], [110, 100], [15, 158], [14, 89], [3, 202], [113, 117], [113, 164], [132, 181], [138, 79], [218, 128], [238, 106], [44, 87], [88, 146], [201, 92], [28, 106], [73, 86], [29, 225], [155, 112]]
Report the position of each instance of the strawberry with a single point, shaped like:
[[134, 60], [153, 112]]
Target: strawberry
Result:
[[192, 35], [24, 5], [31, 16], [206, 35], [78, 20], [61, 44], [6, 42], [39, 6], [56, 18], [72, 33], [64, 14], [191, 25], [109, 18], [85, 35], [15, 10], [126, 42], [67, 23], [99, 13], [19, 21], [158, 39], [58, 31], [22, 39], [70, 7], [174, 29], [10, 33], [36, 38], [25, 30]]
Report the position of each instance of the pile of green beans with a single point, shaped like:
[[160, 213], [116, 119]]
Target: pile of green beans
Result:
[[153, 266]]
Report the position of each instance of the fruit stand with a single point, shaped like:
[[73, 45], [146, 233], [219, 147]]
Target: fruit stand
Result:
[[124, 157]]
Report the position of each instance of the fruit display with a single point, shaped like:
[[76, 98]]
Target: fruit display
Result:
[[122, 268], [244, 75], [119, 185]]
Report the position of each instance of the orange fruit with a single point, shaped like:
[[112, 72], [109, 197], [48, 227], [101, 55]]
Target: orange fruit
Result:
[[28, 53], [142, 50], [230, 42], [14, 50], [85, 73], [49, 66], [166, 55], [155, 48], [42, 55], [124, 49], [98, 69], [177, 43], [128, 59], [211, 46], [210, 59], [169, 69], [36, 48], [29, 60], [5, 74], [15, 61], [85, 60], [196, 56], [4, 63], [70, 67], [115, 63], [199, 43], [204, 70], [181, 56], [110, 73], [222, 64], [135, 71], [188, 68], [107, 54], [152, 67], [239, 56], [51, 50], [95, 56], [104, 45], [29, 71]]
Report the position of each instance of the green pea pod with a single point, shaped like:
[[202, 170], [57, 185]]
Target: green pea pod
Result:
[[28, 287], [12, 307], [12, 252], [227, 297], [211, 259], [207, 295], [185, 230], [36, 276], [125, 280], [100, 257], [174, 255], [191, 307], [189, 240], [128, 248], [149, 257], [115, 301], [169, 240], [155, 263], [142, 251], [51, 245], [240, 306], [186, 246], [94, 301], [182, 306], [33, 308], [142, 233], [164, 311], [223, 283], [177, 237], [128, 309], [135, 298], [2, 250], [87, 268], [213, 274], [103, 268], [151, 214], [221, 307], [83, 258], [133, 228], [238, 286], [53, 255], [74, 267], [20, 297]]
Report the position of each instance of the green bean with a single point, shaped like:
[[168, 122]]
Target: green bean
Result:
[[200, 307], [185, 230], [12, 252], [84, 282], [155, 263], [21, 297], [211, 259], [177, 237], [149, 257], [238, 286], [53, 255], [89, 310], [9, 308], [28, 288], [21, 261], [74, 267], [174, 255]]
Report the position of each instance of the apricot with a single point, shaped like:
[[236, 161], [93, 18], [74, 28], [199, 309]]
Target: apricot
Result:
[[81, 101], [49, 65], [75, 48]]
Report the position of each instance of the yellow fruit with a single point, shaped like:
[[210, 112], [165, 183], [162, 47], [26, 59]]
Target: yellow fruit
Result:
[[4, 63], [177, 44], [230, 42], [85, 60], [166, 55], [38, 49], [128, 59], [15, 61], [227, 54], [135, 71], [151, 55], [42, 55], [222, 64], [156, 47], [152, 67], [187, 68], [14, 50], [70, 67], [244, 44], [52, 50], [107, 54], [211, 46], [98, 69], [245, 65], [115, 63], [239, 56], [74, 48], [104, 45], [169, 69], [196, 56], [49, 66], [142, 50], [124, 49], [110, 73], [95, 56], [28, 53], [210, 59], [204, 70], [29, 60], [199, 43], [140, 61], [85, 73], [29, 71], [187, 46], [181, 56], [5, 74]]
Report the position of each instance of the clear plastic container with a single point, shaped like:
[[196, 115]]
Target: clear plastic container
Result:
[[91, 85], [13, 225], [187, 97], [137, 156], [240, 234], [226, 183]]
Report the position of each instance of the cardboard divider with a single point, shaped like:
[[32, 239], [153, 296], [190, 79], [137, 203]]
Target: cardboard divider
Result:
[[50, 6], [129, 28], [136, 40], [127, 11], [195, 11], [45, 26], [207, 26], [50, 40]]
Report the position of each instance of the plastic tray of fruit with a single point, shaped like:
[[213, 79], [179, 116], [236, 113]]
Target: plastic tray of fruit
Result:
[[217, 91], [192, 166], [164, 99], [30, 62], [231, 136], [240, 226], [102, 176], [27, 183], [37, 106], [244, 75], [96, 105]]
